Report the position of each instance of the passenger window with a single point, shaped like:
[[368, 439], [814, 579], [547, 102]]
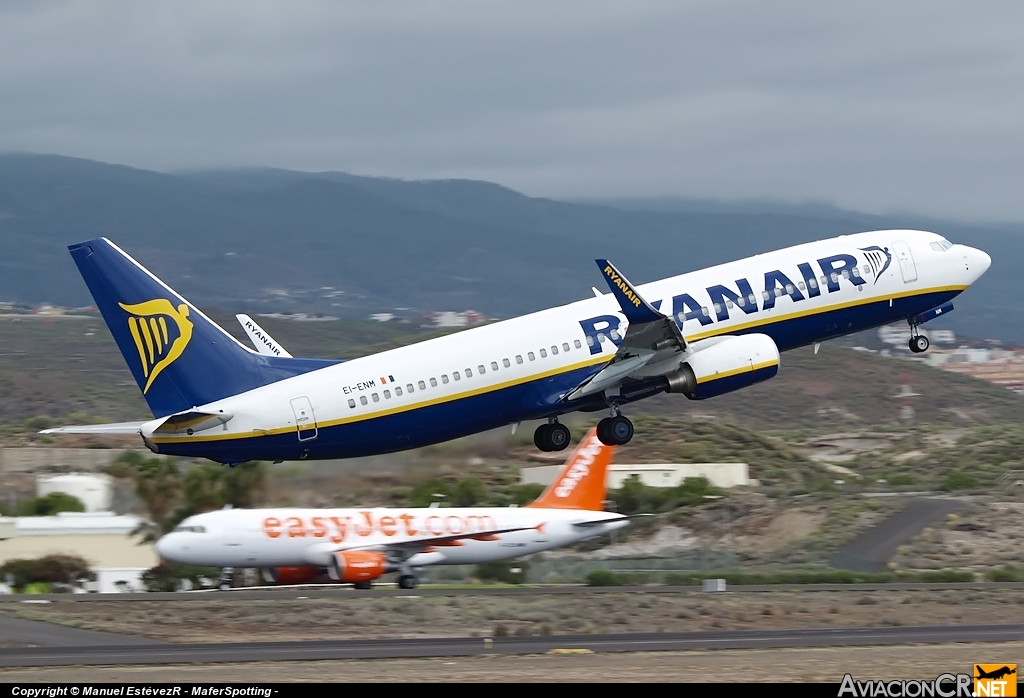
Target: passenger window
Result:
[[469, 373], [456, 375], [704, 311], [409, 388], [387, 394], [812, 283], [614, 334], [376, 397], [824, 281], [764, 294], [423, 386], [398, 390], [433, 382], [519, 358], [590, 341], [789, 289], [530, 355], [728, 304], [835, 278], [752, 299], [444, 378], [362, 399], [565, 346], [718, 307], [846, 274], [480, 369], [543, 354], [352, 403], [778, 292], [494, 365], [740, 302], [554, 350], [856, 271], [577, 343], [801, 285], [506, 363]]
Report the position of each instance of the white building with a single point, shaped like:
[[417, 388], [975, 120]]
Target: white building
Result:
[[103, 539], [723, 475], [94, 490]]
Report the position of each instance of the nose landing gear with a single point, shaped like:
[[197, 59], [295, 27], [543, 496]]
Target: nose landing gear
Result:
[[918, 342]]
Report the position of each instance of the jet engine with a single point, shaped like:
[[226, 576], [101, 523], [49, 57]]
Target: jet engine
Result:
[[355, 566], [726, 365], [292, 575]]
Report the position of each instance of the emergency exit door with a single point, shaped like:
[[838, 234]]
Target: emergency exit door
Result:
[[305, 420]]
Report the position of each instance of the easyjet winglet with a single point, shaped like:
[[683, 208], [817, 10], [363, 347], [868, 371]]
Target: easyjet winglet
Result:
[[581, 483]]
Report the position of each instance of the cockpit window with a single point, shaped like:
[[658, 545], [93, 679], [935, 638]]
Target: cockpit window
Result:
[[941, 245], [190, 529]]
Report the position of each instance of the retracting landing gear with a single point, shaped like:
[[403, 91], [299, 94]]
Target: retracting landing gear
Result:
[[615, 430], [918, 342], [407, 581], [552, 436]]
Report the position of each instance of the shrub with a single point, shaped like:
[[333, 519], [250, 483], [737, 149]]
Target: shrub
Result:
[[501, 571], [959, 481], [603, 578], [166, 576], [1007, 574], [63, 569]]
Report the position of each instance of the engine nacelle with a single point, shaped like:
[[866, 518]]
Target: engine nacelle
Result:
[[731, 364], [351, 566], [292, 575]]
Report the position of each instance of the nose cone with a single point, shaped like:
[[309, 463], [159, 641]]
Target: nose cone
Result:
[[166, 548], [977, 262]]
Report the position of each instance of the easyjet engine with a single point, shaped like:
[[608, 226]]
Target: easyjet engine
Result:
[[292, 575], [358, 566], [726, 365]]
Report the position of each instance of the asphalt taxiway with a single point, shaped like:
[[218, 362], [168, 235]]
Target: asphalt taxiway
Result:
[[141, 653]]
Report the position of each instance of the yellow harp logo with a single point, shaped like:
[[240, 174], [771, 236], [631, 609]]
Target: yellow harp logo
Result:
[[158, 347]]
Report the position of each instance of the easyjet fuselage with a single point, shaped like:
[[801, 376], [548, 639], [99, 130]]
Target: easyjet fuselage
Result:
[[521, 369], [309, 537]]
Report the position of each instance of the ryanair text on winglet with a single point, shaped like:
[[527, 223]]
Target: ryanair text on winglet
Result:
[[623, 286]]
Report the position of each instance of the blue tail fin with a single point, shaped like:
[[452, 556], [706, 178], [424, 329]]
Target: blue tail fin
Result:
[[180, 358]]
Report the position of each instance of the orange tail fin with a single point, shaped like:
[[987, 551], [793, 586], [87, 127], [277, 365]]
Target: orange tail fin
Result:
[[580, 484]]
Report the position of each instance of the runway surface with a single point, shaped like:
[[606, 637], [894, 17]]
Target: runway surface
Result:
[[346, 591], [464, 647]]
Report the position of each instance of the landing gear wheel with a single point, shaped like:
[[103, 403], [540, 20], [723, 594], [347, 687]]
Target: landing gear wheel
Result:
[[919, 344], [363, 585], [552, 437], [615, 431], [407, 581]]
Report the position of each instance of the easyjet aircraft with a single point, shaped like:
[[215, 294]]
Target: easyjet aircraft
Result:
[[700, 334], [359, 545]]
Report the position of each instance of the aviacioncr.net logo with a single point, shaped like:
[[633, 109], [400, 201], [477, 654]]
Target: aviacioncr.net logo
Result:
[[160, 332]]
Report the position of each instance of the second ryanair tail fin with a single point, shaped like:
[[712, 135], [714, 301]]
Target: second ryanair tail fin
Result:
[[179, 357], [581, 483]]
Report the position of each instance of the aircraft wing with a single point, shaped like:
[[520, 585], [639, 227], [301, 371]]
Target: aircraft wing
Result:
[[650, 347], [407, 548]]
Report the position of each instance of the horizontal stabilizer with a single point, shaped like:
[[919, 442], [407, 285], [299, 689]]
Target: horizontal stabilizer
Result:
[[118, 428], [191, 422], [598, 522], [264, 343]]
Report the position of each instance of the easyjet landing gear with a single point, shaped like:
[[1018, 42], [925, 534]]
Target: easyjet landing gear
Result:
[[227, 578], [919, 344], [615, 431], [552, 437], [363, 585], [407, 581]]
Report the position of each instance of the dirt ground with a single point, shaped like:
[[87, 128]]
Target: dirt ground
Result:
[[221, 619], [788, 665]]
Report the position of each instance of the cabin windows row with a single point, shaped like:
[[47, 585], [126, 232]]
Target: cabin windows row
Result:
[[457, 375]]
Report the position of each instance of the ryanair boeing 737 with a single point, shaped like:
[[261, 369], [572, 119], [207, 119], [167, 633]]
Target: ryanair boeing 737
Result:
[[701, 334]]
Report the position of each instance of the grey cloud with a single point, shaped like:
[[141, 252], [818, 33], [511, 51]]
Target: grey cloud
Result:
[[873, 105]]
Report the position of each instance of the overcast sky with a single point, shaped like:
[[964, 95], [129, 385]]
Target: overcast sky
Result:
[[878, 106]]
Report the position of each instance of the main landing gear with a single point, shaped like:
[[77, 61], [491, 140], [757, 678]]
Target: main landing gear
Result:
[[918, 342], [407, 581], [615, 430], [552, 436]]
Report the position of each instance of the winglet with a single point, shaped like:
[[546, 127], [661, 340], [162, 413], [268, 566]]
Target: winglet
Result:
[[581, 482], [634, 307]]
